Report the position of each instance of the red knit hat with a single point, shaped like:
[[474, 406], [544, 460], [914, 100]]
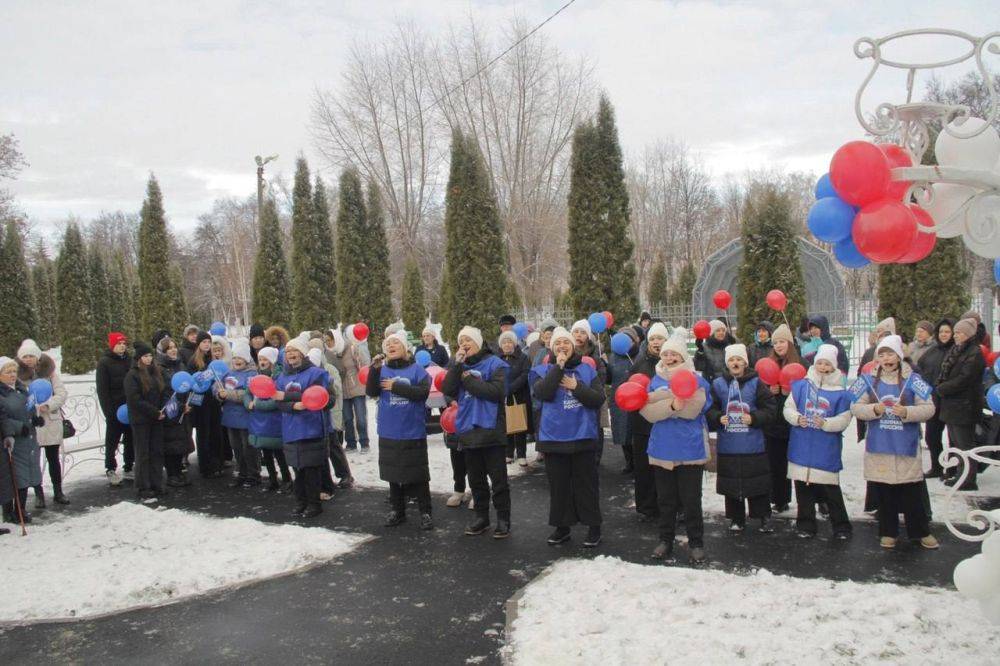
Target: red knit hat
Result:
[[114, 338]]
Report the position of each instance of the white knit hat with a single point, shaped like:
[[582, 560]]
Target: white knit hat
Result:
[[826, 353], [473, 334], [676, 343], [299, 345], [315, 357], [892, 342], [716, 324], [738, 350], [534, 335], [560, 332], [657, 330], [507, 335], [227, 353], [399, 336], [29, 348], [270, 353], [582, 325], [5, 360], [241, 350], [349, 335], [887, 324]]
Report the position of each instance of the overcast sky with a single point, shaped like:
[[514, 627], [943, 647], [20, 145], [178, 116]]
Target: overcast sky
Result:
[[101, 93]]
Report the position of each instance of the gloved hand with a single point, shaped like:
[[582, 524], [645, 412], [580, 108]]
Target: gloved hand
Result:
[[37, 421]]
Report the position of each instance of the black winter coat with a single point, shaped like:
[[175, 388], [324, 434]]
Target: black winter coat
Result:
[[493, 391], [744, 475], [823, 324], [143, 405], [401, 460], [929, 365], [175, 436], [960, 385], [111, 371], [439, 355], [591, 397], [186, 351], [710, 358]]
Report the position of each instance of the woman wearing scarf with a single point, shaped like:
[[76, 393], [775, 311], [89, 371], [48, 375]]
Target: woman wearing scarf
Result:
[[960, 386]]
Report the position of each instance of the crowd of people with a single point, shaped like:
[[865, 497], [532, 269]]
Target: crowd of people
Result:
[[555, 387]]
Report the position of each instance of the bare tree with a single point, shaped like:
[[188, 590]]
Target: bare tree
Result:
[[113, 232]]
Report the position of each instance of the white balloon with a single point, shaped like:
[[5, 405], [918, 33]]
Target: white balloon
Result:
[[983, 234], [977, 578], [948, 198], [991, 549], [991, 608], [977, 152]]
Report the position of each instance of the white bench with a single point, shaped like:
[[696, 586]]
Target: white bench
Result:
[[83, 409]]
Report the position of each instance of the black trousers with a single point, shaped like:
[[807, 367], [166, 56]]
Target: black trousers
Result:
[[458, 469], [338, 457], [517, 444], [208, 432], [148, 441], [933, 433], [115, 431], [645, 485], [808, 494], [736, 509], [963, 436], [777, 456], [55, 467], [247, 456], [573, 489], [398, 492], [173, 462], [676, 488], [272, 455], [307, 485], [905, 498], [489, 463]]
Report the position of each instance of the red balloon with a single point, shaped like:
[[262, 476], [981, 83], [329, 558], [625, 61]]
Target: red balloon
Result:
[[884, 230], [361, 331], [586, 360], [448, 417], [439, 380], [897, 157], [609, 318], [683, 384], [859, 172], [722, 299], [702, 329], [363, 374], [631, 397], [776, 300], [315, 398], [923, 243], [768, 371], [792, 373], [992, 358], [985, 351], [868, 368], [640, 379], [261, 386]]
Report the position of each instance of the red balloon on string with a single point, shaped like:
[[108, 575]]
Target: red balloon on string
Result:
[[985, 351], [683, 384], [868, 368], [640, 379], [722, 299], [859, 172], [439, 380], [897, 157], [610, 318], [631, 397], [792, 373], [586, 360], [884, 230], [702, 329], [776, 300], [924, 243], [315, 398], [261, 386], [361, 331], [448, 417], [768, 371], [363, 374]]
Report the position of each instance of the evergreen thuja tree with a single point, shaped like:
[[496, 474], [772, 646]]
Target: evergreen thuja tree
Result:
[[658, 290], [770, 261], [684, 287], [477, 292], [100, 301], [326, 254], [412, 300], [43, 286], [351, 254], [270, 272], [120, 316], [314, 290], [602, 275], [17, 302], [73, 298], [176, 298], [379, 287], [154, 263]]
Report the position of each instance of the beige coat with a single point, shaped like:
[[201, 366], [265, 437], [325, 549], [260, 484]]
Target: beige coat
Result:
[[839, 423], [51, 432], [347, 363], [660, 407], [888, 467]]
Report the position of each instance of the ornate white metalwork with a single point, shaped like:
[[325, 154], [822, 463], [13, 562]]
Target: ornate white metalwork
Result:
[[985, 522]]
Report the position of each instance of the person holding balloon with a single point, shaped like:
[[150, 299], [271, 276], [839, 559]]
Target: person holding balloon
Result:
[[518, 393], [144, 395], [176, 440], [571, 393], [17, 427], [776, 434], [710, 359], [112, 367], [264, 425], [401, 386], [960, 387], [818, 409], [894, 407], [348, 362], [231, 390], [338, 457], [207, 410], [33, 364], [646, 504]]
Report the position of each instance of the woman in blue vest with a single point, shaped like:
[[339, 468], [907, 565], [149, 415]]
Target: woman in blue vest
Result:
[[571, 393], [818, 410], [265, 427], [893, 460], [236, 418], [478, 381], [678, 448], [741, 406], [402, 386], [303, 432]]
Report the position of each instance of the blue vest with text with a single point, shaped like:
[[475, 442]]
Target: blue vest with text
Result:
[[889, 434], [234, 414], [297, 426], [677, 439], [564, 418], [475, 412], [737, 438], [399, 417], [810, 446]]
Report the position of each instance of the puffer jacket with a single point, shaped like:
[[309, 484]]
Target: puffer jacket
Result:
[[960, 385], [50, 433]]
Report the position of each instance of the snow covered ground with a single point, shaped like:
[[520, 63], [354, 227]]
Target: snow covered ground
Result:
[[128, 555], [606, 611]]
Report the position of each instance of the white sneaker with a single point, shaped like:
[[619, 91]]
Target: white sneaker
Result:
[[325, 497], [455, 500], [472, 503], [523, 462], [113, 478]]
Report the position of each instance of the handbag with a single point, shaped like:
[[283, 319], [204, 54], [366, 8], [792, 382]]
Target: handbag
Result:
[[517, 418], [68, 428]]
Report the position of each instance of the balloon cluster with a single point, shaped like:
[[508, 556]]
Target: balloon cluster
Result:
[[978, 577], [993, 392], [600, 321], [771, 374]]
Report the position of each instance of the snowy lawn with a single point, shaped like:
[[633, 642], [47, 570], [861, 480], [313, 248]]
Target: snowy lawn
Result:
[[128, 555], [606, 611]]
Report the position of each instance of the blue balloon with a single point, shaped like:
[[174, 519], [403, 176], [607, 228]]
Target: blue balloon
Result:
[[181, 382], [41, 390], [202, 382], [422, 357], [122, 414], [597, 322], [830, 219], [621, 344], [521, 330], [848, 255], [824, 188], [219, 369], [996, 270], [217, 328], [996, 367], [993, 398]]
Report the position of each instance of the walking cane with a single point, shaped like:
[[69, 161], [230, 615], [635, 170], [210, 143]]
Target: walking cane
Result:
[[17, 496]]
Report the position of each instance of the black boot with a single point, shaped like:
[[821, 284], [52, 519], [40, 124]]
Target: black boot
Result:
[[395, 518], [593, 539], [478, 526], [312, 511], [426, 522], [57, 494], [502, 530], [300, 508], [39, 498], [561, 535]]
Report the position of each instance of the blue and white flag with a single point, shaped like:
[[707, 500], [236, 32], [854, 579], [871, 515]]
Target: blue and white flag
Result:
[[858, 388], [920, 387], [171, 409]]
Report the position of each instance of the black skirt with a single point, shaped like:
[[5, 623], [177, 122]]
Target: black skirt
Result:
[[743, 475], [403, 460]]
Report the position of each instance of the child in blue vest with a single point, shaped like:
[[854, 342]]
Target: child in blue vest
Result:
[[818, 410], [478, 381], [402, 386], [893, 461], [571, 393], [741, 406], [678, 448], [265, 426], [235, 417]]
